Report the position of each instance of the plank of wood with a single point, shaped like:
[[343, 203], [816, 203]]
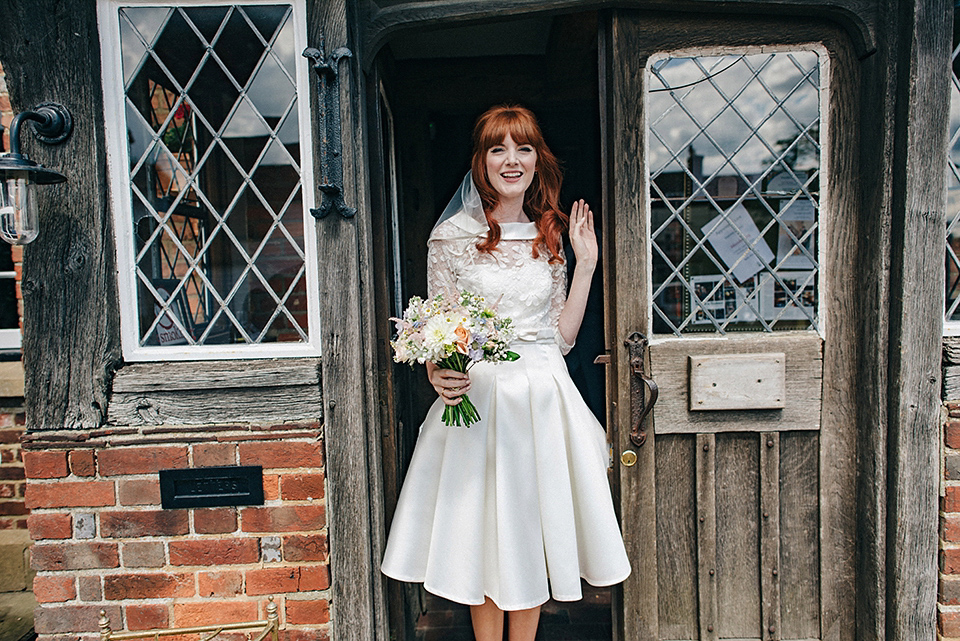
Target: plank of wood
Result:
[[951, 350], [210, 375], [770, 570], [799, 540], [669, 361], [737, 381], [951, 382], [708, 543], [921, 52], [738, 536], [264, 405], [71, 338], [677, 569]]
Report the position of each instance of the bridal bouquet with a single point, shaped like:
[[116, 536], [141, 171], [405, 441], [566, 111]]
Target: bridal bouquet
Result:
[[454, 335]]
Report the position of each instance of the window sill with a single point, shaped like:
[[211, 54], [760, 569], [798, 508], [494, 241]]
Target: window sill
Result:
[[11, 379]]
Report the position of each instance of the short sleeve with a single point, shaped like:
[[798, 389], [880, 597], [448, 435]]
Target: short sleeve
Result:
[[558, 298]]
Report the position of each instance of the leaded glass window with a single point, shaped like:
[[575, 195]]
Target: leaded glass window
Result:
[[214, 169], [734, 170], [952, 310]]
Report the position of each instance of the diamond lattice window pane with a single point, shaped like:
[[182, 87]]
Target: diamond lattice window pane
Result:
[[952, 312], [734, 162], [214, 150]]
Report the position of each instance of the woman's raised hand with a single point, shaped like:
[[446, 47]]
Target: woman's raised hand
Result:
[[450, 384], [583, 238]]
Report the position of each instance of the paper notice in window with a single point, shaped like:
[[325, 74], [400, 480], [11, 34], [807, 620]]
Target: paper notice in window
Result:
[[737, 241], [795, 242]]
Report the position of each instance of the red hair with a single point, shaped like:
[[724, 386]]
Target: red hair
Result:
[[541, 201]]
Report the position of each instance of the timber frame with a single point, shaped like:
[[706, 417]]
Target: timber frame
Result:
[[70, 286]]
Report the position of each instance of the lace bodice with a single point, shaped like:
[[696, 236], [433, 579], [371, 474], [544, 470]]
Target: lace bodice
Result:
[[530, 290]]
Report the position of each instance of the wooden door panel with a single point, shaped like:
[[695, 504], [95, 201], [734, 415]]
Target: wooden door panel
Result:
[[669, 362]]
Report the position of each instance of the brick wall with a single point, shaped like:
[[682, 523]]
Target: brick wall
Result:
[[102, 541], [13, 511], [949, 592]]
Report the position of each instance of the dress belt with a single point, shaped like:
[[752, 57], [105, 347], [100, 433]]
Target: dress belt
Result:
[[537, 336]]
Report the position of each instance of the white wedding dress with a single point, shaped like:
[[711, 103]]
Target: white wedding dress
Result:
[[517, 507]]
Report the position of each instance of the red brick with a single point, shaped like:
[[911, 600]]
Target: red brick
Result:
[[217, 520], [301, 487], [950, 561], [314, 577], [88, 588], [139, 492], [147, 617], [284, 518], [70, 494], [13, 508], [211, 612], [305, 547], [307, 612], [222, 584], [54, 589], [130, 524], [140, 460], [271, 487], [143, 554], [50, 526], [949, 623], [45, 465], [214, 454], [8, 456], [59, 619], [74, 556], [8, 436], [12, 473], [273, 580], [214, 552], [147, 586], [82, 463], [8, 490], [282, 454]]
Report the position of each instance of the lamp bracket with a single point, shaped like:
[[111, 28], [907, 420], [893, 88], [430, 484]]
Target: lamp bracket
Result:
[[56, 126]]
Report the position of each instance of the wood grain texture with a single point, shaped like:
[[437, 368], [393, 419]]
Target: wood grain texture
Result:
[[211, 375], [678, 573], [951, 382], [770, 571], [951, 350], [799, 535], [738, 536], [708, 543], [670, 369], [262, 405], [71, 339], [924, 34], [737, 381], [387, 17], [349, 364]]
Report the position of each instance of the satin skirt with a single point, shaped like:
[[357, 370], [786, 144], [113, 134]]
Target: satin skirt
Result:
[[517, 507]]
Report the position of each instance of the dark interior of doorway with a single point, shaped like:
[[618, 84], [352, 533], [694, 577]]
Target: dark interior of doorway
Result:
[[435, 84]]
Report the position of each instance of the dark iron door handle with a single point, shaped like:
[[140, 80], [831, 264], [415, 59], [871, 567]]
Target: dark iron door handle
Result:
[[640, 404], [331, 149]]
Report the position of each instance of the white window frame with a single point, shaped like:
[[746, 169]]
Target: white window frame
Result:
[[118, 164]]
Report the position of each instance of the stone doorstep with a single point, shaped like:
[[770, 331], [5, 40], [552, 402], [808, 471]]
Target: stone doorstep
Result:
[[16, 616], [15, 572]]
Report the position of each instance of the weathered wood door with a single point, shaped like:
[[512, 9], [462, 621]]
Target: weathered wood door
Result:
[[732, 255]]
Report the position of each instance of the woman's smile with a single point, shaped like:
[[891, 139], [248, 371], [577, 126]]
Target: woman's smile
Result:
[[511, 167]]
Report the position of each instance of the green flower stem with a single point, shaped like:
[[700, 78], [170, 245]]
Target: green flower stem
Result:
[[465, 413]]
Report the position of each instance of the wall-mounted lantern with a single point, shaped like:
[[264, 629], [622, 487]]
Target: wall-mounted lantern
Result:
[[18, 174]]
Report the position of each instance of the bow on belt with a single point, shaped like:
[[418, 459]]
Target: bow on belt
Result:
[[546, 336]]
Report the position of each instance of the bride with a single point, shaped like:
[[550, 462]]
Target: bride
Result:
[[514, 510]]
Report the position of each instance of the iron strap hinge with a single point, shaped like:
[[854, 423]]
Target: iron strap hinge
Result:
[[331, 149]]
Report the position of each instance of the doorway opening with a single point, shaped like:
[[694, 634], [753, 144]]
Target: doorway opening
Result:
[[433, 84]]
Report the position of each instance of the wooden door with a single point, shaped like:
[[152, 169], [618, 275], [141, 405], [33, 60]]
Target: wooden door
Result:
[[733, 256]]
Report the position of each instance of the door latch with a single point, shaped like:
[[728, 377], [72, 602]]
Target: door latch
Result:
[[331, 148], [640, 404]]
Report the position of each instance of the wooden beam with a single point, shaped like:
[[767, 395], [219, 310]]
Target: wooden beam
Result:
[[71, 339], [920, 55]]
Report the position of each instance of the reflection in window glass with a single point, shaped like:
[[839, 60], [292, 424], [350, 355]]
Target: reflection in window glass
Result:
[[734, 162], [953, 184], [9, 311], [214, 165]]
